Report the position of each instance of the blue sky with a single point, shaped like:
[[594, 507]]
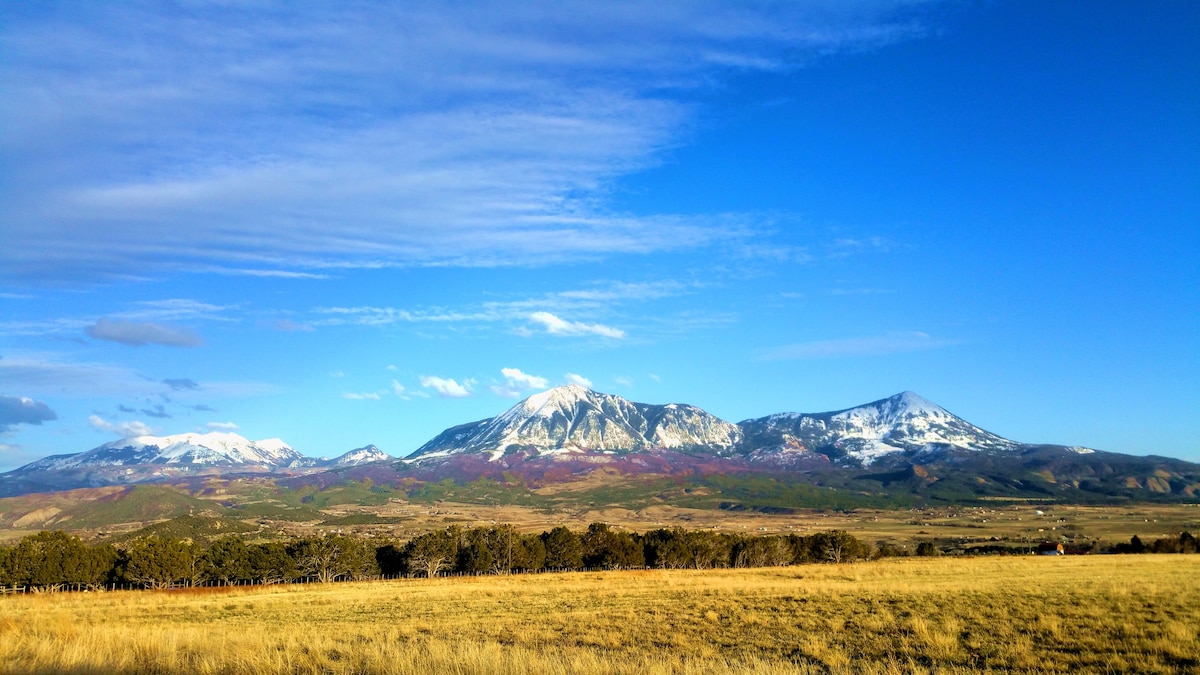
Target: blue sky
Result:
[[353, 224]]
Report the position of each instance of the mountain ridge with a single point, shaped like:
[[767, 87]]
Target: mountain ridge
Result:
[[899, 444], [573, 419]]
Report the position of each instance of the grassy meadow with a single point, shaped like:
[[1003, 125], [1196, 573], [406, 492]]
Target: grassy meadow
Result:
[[1000, 614]]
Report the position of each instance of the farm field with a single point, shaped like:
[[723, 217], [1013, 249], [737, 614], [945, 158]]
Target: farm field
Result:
[[1000, 614]]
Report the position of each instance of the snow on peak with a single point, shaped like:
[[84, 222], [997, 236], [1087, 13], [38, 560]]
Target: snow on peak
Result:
[[914, 404], [573, 417], [214, 447], [363, 455], [568, 394]]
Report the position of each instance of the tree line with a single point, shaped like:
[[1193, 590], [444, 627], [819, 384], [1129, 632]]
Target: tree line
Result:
[[57, 560]]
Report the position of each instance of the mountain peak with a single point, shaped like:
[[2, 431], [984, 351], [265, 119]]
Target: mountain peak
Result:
[[358, 456], [192, 448], [566, 394], [574, 418], [913, 403]]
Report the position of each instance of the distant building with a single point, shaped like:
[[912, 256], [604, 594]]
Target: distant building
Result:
[[1050, 548]]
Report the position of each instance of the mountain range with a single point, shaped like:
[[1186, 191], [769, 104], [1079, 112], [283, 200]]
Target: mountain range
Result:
[[902, 443], [144, 459]]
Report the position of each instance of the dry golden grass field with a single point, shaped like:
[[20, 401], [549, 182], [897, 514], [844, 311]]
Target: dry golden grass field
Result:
[[999, 614]]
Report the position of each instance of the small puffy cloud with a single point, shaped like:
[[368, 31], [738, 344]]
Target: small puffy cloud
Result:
[[137, 334], [516, 382], [222, 426], [392, 367], [518, 379], [446, 387], [364, 396], [575, 378], [181, 384], [558, 326], [656, 378], [121, 429], [623, 381], [336, 374], [20, 410]]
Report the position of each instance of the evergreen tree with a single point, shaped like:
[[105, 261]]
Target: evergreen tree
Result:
[[228, 560], [431, 553], [55, 559], [6, 577], [564, 550], [158, 562], [475, 555], [607, 548], [1187, 543], [270, 563], [333, 557]]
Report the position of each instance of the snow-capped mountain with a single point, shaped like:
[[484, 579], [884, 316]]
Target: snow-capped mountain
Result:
[[211, 449], [359, 456], [572, 419], [904, 423]]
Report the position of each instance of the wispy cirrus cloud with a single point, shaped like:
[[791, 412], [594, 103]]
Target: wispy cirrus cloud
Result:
[[545, 311], [555, 325], [58, 374], [404, 134], [874, 345]]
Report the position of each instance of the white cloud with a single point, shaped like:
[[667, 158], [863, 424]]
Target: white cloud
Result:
[[575, 378], [623, 381], [399, 390], [392, 368], [337, 374], [137, 334], [656, 378], [517, 383], [446, 387], [362, 396], [516, 378], [222, 426], [121, 429], [557, 326], [876, 345]]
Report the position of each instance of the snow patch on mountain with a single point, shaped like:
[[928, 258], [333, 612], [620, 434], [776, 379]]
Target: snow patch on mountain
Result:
[[572, 419], [864, 434], [209, 449]]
